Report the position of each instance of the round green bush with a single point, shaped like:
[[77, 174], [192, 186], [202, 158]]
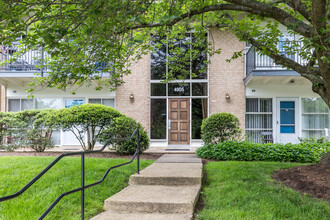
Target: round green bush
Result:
[[124, 127], [220, 127], [87, 120]]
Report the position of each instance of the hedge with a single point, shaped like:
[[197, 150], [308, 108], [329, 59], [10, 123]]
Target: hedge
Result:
[[247, 151]]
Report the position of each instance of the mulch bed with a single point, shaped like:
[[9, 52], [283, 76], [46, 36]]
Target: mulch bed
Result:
[[311, 179], [145, 156]]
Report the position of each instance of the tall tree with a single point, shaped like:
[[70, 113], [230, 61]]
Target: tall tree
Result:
[[80, 36]]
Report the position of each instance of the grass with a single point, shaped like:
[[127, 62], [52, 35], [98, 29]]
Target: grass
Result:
[[245, 190], [15, 172]]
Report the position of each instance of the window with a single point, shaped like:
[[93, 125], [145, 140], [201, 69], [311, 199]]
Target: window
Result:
[[315, 117], [198, 113], [73, 102], [158, 119], [16, 105], [258, 118], [183, 58], [48, 103], [106, 102]]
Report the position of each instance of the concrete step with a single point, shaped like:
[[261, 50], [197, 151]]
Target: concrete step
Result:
[[169, 174], [113, 215], [179, 158], [154, 198]]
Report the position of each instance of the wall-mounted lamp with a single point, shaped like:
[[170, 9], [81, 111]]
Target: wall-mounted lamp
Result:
[[227, 97], [131, 97], [292, 81]]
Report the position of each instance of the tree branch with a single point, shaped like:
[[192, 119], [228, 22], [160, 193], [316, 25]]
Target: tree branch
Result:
[[249, 6], [300, 7], [278, 14]]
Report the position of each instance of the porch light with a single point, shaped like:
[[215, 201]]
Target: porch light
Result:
[[227, 97], [131, 97]]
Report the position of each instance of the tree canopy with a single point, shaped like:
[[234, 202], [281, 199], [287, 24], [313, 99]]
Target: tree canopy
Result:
[[82, 35]]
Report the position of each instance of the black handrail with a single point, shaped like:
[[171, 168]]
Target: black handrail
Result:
[[83, 187]]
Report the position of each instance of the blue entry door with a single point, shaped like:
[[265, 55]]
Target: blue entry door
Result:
[[287, 117], [287, 120]]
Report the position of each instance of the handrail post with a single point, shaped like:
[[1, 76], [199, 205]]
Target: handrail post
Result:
[[82, 186], [138, 151]]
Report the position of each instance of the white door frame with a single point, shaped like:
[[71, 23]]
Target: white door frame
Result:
[[287, 137]]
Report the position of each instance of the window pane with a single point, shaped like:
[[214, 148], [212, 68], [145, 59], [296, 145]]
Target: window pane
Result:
[[287, 105], [158, 89], [199, 57], [73, 102], [158, 59], [314, 105], [313, 134], [199, 89], [56, 137], [287, 117], [252, 105], [315, 121], [14, 105], [94, 101], [179, 58], [266, 105], [48, 103], [158, 119], [27, 104], [178, 89], [198, 113], [259, 121], [109, 102], [287, 129]]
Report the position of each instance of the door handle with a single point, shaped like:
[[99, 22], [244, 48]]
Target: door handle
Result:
[[169, 124]]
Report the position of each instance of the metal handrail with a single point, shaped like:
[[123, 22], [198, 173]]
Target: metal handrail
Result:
[[83, 187]]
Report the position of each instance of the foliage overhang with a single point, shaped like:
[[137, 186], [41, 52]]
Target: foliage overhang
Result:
[[81, 35]]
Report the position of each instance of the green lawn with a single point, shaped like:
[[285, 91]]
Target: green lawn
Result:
[[245, 190], [15, 172]]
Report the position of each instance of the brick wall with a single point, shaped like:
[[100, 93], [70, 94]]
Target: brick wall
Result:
[[137, 83], [3, 100], [226, 77]]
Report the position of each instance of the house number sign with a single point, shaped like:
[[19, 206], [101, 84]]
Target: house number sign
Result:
[[179, 89]]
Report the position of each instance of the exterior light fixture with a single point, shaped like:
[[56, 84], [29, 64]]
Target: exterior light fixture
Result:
[[131, 97], [227, 97], [292, 81]]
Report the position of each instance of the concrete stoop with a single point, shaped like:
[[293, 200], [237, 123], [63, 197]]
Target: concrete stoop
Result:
[[169, 174], [113, 215], [164, 190]]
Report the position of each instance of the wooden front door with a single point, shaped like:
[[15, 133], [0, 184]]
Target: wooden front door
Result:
[[179, 119]]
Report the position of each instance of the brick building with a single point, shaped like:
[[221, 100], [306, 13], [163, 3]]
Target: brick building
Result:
[[271, 102]]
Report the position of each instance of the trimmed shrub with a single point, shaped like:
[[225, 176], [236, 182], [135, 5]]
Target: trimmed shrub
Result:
[[220, 127], [19, 130], [88, 119], [124, 127], [247, 151], [33, 133]]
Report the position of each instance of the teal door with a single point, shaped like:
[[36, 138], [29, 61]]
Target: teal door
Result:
[[287, 120], [287, 117]]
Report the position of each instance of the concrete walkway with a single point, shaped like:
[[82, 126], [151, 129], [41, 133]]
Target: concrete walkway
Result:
[[167, 189]]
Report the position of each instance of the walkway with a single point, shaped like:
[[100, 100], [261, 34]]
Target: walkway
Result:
[[167, 189]]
